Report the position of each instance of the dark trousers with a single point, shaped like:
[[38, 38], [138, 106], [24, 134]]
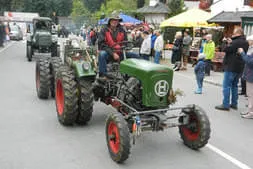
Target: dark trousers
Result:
[[208, 66], [243, 85], [145, 56]]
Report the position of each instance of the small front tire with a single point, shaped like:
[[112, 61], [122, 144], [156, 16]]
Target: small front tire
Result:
[[29, 53], [42, 78], [117, 137], [196, 133]]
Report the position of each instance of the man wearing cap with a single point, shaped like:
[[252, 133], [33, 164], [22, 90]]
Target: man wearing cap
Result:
[[109, 45]]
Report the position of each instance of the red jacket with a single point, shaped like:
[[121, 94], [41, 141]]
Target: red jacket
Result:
[[108, 39]]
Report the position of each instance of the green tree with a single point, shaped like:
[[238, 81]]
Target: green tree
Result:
[[176, 7], [140, 3], [80, 13], [93, 5], [126, 6], [47, 7]]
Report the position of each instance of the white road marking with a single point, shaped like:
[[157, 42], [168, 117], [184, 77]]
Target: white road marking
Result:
[[228, 157], [9, 45]]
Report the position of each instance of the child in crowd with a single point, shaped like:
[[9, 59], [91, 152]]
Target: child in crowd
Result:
[[145, 46], [200, 72]]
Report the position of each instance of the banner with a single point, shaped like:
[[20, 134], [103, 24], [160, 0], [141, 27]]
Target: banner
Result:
[[20, 16]]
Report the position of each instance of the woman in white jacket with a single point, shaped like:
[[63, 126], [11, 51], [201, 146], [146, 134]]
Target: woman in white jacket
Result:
[[145, 46]]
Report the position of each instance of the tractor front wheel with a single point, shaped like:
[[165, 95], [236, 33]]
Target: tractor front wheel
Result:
[[85, 102], [117, 137], [66, 96], [42, 78], [196, 133], [29, 53]]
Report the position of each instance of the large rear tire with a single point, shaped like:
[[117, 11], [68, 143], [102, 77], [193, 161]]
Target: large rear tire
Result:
[[55, 64], [29, 53], [42, 78], [117, 137], [85, 102], [196, 133], [66, 96]]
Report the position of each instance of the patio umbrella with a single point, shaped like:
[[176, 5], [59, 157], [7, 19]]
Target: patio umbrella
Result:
[[190, 18]]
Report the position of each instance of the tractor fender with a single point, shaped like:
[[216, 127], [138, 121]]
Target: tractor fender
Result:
[[83, 69]]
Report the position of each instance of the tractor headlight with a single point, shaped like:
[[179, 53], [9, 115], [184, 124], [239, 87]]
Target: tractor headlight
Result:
[[54, 38], [86, 66]]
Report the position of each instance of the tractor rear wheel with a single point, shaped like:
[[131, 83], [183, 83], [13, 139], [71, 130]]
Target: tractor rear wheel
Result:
[[29, 53], [117, 137], [42, 78], [66, 96], [55, 64], [196, 133], [85, 102]]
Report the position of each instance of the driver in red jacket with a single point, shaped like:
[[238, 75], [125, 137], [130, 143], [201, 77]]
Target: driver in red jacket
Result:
[[109, 43]]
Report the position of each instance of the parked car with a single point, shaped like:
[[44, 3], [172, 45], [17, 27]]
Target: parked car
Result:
[[16, 33]]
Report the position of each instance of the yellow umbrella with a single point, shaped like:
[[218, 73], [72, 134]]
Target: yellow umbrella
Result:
[[190, 18]]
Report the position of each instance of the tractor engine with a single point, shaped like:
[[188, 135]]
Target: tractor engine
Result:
[[131, 93]]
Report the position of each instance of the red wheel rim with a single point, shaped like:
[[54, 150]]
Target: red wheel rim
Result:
[[59, 97], [114, 140], [191, 133], [37, 78]]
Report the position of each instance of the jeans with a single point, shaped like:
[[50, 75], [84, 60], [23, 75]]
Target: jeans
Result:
[[200, 81], [230, 84], [208, 66], [145, 56], [157, 56], [103, 59]]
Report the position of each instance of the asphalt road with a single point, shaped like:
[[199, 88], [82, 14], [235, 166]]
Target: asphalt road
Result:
[[32, 138]]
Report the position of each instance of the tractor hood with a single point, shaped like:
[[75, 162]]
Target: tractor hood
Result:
[[142, 66], [156, 80], [42, 38]]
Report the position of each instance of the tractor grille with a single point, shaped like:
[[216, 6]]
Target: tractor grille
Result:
[[44, 41]]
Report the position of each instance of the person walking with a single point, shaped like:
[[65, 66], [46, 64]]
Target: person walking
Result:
[[159, 43], [145, 46], [2, 34], [177, 51], [233, 68], [248, 76], [200, 72], [186, 50], [153, 39], [209, 49]]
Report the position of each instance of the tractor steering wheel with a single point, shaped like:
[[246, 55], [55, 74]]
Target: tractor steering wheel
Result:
[[124, 45]]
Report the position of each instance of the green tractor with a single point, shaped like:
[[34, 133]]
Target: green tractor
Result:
[[42, 40], [141, 93]]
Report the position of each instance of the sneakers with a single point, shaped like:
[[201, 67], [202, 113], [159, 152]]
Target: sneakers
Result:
[[221, 107], [198, 91], [248, 115], [244, 113]]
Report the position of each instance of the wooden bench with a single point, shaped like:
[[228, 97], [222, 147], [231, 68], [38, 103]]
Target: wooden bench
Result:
[[217, 61]]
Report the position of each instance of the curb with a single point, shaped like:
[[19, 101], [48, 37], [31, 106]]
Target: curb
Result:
[[213, 83]]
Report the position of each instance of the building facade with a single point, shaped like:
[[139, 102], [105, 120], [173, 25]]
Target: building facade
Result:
[[226, 5]]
